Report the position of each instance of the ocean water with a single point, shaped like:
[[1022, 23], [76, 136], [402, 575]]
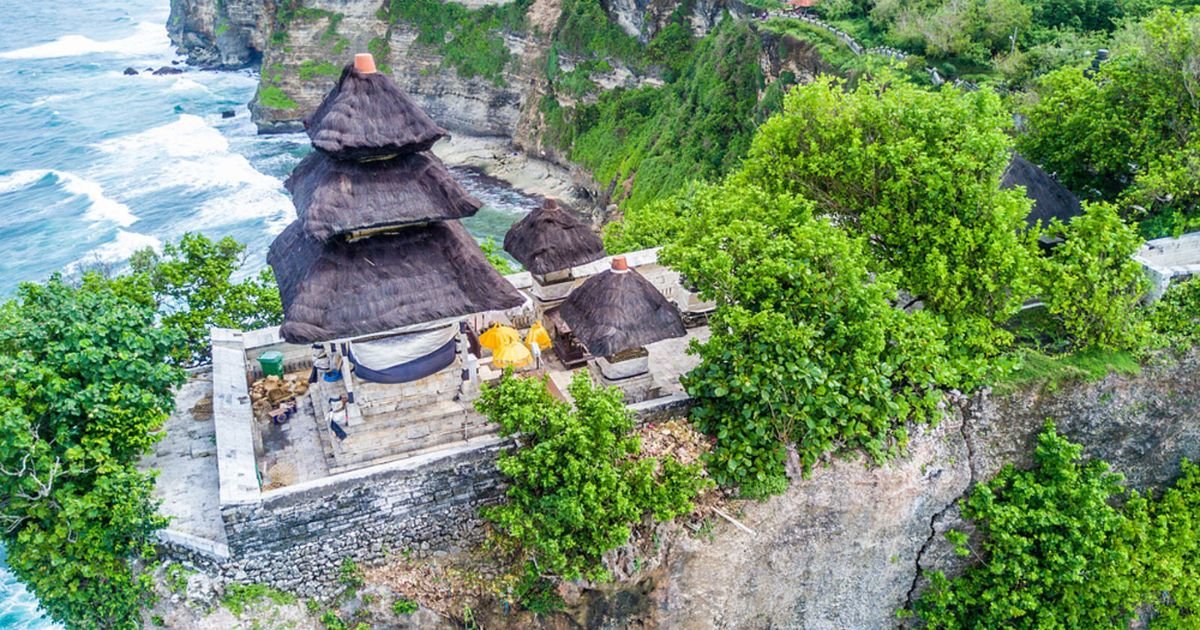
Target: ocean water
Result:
[[95, 165]]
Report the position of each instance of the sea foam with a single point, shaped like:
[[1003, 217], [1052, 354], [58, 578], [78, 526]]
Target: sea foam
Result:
[[100, 207], [148, 39], [189, 153]]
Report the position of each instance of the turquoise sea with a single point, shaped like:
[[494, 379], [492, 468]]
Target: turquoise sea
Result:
[[95, 164]]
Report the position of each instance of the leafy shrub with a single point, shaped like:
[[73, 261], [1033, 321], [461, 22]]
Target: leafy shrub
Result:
[[807, 352], [1064, 545], [1176, 317], [86, 391], [1091, 283], [192, 282], [576, 484], [404, 606]]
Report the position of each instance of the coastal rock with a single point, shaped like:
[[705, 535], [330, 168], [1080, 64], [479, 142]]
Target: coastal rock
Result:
[[225, 34], [167, 70], [130, 72]]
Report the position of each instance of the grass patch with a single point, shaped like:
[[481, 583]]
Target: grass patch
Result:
[[469, 40], [238, 597], [310, 69], [404, 606], [274, 98], [177, 577], [1028, 367]]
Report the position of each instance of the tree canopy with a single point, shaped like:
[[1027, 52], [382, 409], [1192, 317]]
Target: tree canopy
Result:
[[576, 482], [1130, 132], [807, 352], [87, 387]]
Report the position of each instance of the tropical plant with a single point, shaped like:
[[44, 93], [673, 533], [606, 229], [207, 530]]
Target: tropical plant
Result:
[[576, 482], [1091, 283], [193, 284], [807, 352], [1065, 546], [917, 175], [87, 388]]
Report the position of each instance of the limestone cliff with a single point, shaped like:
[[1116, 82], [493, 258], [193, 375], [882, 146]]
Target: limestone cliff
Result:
[[302, 45], [842, 548], [221, 33]]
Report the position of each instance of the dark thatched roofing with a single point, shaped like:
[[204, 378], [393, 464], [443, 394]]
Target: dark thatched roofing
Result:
[[551, 239], [616, 311], [340, 196], [336, 289], [1050, 199], [368, 115]]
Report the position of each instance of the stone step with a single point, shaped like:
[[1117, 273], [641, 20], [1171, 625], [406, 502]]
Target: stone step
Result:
[[386, 438]]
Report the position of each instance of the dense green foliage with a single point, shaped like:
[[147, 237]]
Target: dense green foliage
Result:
[[917, 174], [1131, 132], [576, 484], [192, 282], [1012, 39], [87, 387], [649, 142], [1064, 546], [807, 351], [1091, 283], [469, 40], [1175, 318]]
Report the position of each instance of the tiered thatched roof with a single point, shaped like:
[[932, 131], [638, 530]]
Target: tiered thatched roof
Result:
[[551, 239], [368, 116], [339, 196], [1051, 200], [339, 289], [377, 246], [618, 310]]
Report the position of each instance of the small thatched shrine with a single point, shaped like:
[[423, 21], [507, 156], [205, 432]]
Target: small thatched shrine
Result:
[[1051, 200], [548, 242], [377, 273], [615, 314]]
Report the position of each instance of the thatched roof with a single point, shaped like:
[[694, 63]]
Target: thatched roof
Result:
[[551, 239], [339, 196], [614, 311], [367, 116], [337, 289], [1051, 200]]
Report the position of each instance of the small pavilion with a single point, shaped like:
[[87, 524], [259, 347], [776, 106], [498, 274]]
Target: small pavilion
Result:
[[548, 242], [615, 314], [377, 274]]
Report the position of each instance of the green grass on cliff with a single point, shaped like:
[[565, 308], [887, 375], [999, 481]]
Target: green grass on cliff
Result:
[[469, 40], [272, 97], [1028, 368], [649, 142]]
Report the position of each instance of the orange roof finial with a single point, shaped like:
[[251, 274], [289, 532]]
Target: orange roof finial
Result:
[[364, 63], [619, 264]]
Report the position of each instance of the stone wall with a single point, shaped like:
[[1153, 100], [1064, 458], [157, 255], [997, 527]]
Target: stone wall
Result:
[[296, 538]]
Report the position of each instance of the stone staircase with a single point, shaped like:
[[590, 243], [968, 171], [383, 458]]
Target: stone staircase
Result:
[[385, 438]]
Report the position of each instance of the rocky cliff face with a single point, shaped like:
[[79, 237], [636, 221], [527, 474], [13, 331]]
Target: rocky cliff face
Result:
[[846, 547], [221, 33], [302, 45]]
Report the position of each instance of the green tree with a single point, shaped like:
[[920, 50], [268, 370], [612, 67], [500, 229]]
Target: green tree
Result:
[[1091, 283], [1065, 546], [1175, 318], [576, 483], [87, 387], [807, 353], [917, 174], [1130, 132], [193, 284]]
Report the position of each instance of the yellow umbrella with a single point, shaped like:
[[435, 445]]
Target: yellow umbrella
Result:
[[499, 336], [512, 355], [537, 334]]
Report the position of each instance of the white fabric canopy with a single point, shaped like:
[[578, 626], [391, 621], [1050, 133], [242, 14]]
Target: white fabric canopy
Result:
[[381, 354]]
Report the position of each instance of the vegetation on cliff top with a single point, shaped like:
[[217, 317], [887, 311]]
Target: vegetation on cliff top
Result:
[[92, 369], [1065, 545], [88, 387], [576, 482]]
